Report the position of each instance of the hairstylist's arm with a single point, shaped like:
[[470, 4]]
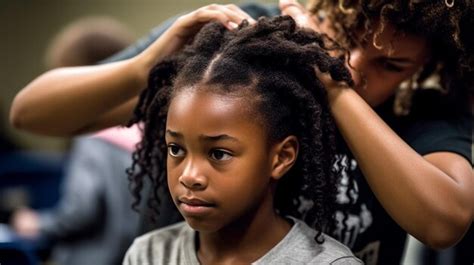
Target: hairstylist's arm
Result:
[[430, 196], [69, 101]]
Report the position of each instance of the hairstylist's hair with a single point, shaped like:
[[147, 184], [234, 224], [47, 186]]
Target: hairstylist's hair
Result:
[[447, 25], [273, 62]]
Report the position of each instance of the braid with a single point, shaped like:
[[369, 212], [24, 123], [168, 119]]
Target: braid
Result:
[[274, 61]]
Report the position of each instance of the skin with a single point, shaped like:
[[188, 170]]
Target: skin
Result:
[[404, 182], [25, 222], [220, 157], [377, 73]]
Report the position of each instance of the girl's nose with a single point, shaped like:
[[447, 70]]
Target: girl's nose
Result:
[[192, 177]]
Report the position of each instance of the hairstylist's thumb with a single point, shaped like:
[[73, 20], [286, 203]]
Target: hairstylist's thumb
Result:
[[299, 13]]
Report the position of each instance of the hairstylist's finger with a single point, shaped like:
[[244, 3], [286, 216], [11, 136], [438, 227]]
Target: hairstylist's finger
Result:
[[329, 83], [283, 4], [184, 29], [292, 8], [301, 16], [234, 18], [204, 15], [237, 9]]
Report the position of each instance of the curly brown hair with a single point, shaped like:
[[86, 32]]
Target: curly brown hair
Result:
[[272, 64], [447, 25]]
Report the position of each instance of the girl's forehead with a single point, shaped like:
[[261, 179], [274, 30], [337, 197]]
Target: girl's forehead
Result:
[[202, 112], [219, 105], [244, 97]]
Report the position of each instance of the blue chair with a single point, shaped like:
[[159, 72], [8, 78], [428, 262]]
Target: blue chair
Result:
[[39, 173]]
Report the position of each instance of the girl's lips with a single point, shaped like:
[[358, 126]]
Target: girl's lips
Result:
[[194, 206], [194, 210], [194, 201]]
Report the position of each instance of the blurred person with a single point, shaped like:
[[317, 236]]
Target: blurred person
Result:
[[87, 41], [93, 222]]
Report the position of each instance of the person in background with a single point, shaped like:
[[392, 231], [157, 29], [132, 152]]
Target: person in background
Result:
[[93, 222], [87, 41]]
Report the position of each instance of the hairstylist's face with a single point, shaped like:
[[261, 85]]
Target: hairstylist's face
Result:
[[378, 72], [218, 160]]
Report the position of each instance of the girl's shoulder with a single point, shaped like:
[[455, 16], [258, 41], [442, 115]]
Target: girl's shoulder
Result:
[[332, 251], [335, 253], [299, 247], [173, 244], [167, 233]]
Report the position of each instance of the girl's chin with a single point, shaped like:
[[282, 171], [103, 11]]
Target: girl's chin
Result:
[[202, 225]]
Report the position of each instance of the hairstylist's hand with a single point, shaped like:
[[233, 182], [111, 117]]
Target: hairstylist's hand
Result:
[[186, 27], [228, 15], [334, 88], [299, 13], [307, 20]]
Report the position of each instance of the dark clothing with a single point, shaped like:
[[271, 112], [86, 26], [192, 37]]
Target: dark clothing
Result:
[[364, 225]]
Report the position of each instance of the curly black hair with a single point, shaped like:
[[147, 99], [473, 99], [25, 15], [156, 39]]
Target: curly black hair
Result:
[[446, 24], [273, 64]]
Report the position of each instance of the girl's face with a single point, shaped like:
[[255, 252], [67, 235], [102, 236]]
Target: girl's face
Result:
[[219, 166], [377, 72]]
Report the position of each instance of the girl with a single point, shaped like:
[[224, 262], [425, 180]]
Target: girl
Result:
[[243, 132], [410, 173]]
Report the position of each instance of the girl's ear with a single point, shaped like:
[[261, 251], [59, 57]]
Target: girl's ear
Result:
[[285, 154]]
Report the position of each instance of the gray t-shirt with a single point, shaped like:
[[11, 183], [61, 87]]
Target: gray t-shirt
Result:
[[175, 244]]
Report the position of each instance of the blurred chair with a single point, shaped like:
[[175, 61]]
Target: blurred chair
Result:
[[13, 251], [30, 179]]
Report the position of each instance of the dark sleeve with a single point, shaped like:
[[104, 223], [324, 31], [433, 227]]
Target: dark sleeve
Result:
[[255, 10], [81, 203], [450, 135]]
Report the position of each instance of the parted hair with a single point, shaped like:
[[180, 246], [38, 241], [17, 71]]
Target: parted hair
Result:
[[272, 63]]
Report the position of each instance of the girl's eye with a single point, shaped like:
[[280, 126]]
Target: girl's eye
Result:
[[220, 155], [175, 150]]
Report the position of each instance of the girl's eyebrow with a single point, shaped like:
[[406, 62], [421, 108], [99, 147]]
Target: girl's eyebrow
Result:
[[220, 137], [203, 137], [174, 134]]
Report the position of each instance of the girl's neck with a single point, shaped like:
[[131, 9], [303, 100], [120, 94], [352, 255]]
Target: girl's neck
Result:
[[245, 240]]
